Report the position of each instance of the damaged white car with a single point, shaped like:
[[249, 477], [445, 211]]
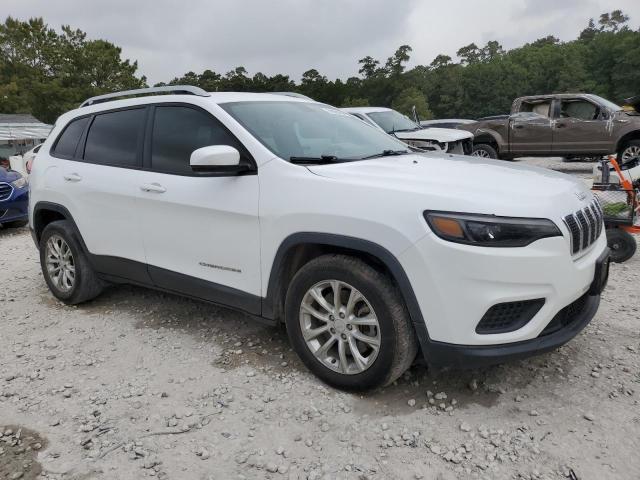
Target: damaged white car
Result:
[[402, 127]]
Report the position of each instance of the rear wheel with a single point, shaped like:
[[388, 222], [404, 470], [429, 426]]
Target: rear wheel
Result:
[[484, 150], [65, 266], [630, 151], [348, 323], [622, 244]]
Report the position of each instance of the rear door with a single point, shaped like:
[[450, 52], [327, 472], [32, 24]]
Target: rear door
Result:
[[581, 127], [530, 129], [201, 231], [100, 173]]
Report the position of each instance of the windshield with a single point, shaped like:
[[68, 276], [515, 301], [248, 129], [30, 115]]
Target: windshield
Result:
[[606, 103], [391, 121], [302, 129]]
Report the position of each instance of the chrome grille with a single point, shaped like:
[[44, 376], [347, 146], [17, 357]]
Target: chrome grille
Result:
[[585, 227], [5, 191]]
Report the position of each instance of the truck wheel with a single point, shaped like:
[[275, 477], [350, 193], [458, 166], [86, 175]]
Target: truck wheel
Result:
[[622, 244], [65, 266], [630, 151], [484, 150], [348, 323]]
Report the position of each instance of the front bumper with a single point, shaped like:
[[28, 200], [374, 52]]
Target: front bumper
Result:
[[455, 285], [16, 207], [440, 354]]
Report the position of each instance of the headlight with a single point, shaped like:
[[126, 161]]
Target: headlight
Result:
[[489, 230], [19, 183]]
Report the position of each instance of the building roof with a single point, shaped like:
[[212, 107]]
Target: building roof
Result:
[[18, 118]]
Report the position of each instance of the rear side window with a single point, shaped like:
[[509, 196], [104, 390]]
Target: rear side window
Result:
[[178, 131], [115, 138], [68, 141]]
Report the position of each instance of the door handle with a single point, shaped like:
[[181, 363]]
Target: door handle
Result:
[[73, 177], [560, 125], [153, 188], [519, 127]]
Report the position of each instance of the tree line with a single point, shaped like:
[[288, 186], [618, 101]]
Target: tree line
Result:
[[46, 72]]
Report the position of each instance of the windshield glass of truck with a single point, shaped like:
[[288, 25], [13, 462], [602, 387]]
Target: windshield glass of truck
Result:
[[310, 130], [392, 121]]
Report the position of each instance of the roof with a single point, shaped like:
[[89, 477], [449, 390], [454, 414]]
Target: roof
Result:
[[365, 109], [18, 118]]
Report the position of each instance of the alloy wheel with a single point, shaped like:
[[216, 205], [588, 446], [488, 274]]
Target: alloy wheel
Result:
[[340, 327], [60, 263], [481, 153], [630, 153]]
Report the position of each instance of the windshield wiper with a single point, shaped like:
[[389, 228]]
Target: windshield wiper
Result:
[[322, 159], [387, 153]]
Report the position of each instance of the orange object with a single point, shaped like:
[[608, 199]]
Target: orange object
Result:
[[448, 227]]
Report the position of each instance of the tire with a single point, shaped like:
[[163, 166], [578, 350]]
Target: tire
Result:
[[629, 151], [622, 244], [381, 302], [85, 284], [16, 224], [484, 150]]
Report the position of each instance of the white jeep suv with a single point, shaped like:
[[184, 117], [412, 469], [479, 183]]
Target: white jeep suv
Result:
[[296, 212]]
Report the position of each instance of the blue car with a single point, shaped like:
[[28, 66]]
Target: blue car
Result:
[[14, 199]]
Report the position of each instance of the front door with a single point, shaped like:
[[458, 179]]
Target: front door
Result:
[[581, 127], [201, 232]]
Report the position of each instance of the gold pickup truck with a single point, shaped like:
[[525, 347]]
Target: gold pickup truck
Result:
[[560, 125]]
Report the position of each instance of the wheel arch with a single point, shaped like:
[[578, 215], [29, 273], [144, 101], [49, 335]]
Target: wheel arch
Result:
[[626, 138], [486, 137], [297, 249], [45, 213]]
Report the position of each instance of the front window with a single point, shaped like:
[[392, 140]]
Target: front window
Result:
[[391, 121], [300, 129]]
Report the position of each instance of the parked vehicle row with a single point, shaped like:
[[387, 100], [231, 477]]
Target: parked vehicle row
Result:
[[369, 251]]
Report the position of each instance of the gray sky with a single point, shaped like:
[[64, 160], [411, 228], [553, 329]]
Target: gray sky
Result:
[[169, 38]]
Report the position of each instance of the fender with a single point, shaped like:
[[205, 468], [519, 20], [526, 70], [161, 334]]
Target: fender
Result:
[[352, 243]]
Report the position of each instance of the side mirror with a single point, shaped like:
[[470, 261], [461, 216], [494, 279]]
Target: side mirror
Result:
[[216, 159]]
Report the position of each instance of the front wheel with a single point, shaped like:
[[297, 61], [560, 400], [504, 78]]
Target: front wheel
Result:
[[348, 324], [484, 150], [622, 244]]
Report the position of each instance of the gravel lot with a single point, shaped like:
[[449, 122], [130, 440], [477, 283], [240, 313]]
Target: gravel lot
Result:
[[140, 384]]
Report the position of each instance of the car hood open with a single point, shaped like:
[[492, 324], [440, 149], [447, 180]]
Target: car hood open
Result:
[[442, 135]]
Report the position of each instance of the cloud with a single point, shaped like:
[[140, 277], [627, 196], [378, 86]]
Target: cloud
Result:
[[169, 38]]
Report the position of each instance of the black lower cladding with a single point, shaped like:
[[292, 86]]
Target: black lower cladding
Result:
[[509, 316], [563, 327]]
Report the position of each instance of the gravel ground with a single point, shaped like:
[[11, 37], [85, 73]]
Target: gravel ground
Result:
[[141, 384]]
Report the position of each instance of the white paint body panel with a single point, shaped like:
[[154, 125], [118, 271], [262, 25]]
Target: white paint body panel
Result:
[[240, 222]]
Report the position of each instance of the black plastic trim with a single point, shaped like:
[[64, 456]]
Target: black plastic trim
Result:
[[352, 243], [473, 356]]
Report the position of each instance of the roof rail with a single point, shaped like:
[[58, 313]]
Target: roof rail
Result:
[[173, 89]]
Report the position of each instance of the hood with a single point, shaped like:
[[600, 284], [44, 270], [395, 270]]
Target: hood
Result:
[[8, 176], [466, 184], [441, 135]]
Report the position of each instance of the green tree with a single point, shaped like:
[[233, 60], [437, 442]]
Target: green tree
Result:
[[409, 98]]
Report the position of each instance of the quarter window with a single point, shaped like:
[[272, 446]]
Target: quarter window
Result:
[[114, 138], [178, 132], [68, 141]]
